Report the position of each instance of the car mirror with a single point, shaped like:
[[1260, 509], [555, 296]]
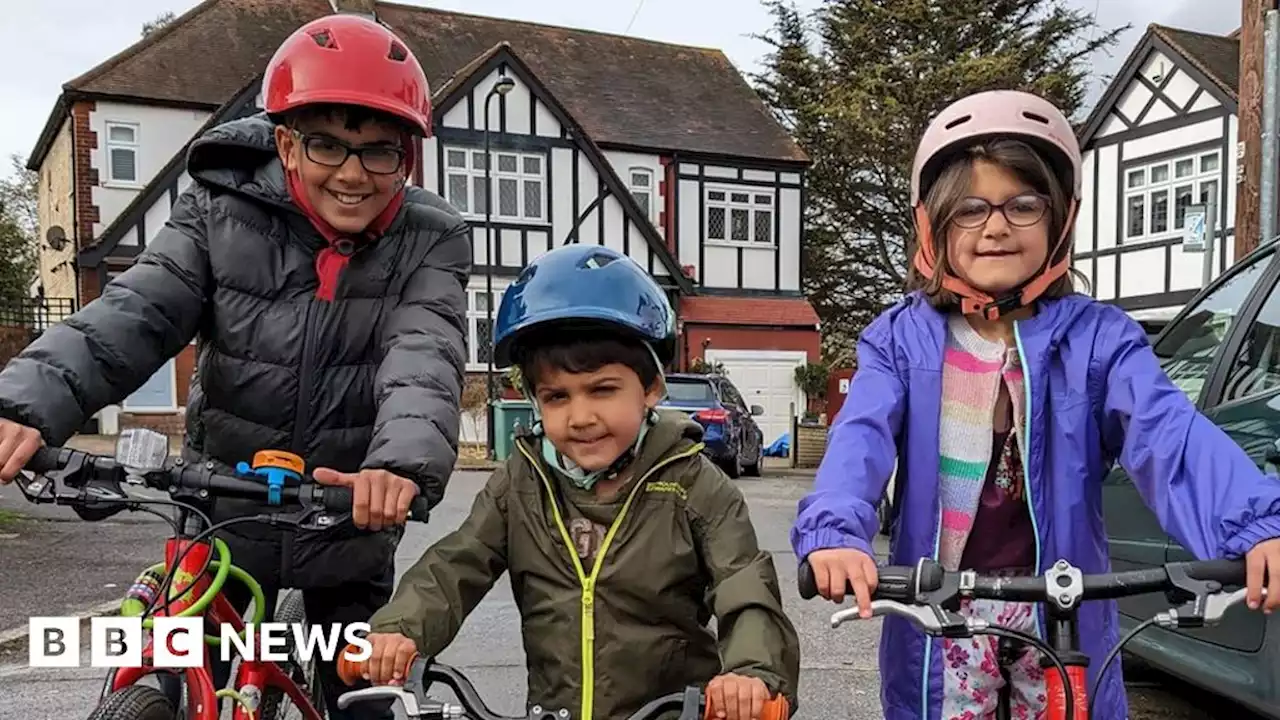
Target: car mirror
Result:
[[756, 410]]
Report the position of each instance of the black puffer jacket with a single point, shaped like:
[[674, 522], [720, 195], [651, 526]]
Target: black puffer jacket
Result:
[[371, 380]]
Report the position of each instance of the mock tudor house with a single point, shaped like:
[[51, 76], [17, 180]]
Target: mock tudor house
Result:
[[661, 151], [1161, 138]]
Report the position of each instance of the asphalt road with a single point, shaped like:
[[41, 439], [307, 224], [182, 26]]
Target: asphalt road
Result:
[[53, 564]]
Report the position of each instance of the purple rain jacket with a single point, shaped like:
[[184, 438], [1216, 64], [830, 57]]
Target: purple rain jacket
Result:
[[1096, 394]]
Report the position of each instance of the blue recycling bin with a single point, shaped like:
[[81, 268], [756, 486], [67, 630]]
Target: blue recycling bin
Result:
[[508, 416]]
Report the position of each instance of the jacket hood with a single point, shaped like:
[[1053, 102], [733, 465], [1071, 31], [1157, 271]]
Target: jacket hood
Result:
[[240, 156]]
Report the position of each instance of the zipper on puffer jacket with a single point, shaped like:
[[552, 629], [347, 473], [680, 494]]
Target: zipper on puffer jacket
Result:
[[302, 412]]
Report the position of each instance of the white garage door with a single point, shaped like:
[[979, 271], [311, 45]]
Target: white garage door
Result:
[[766, 378]]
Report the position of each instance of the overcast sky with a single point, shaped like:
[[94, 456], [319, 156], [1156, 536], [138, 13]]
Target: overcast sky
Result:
[[44, 44]]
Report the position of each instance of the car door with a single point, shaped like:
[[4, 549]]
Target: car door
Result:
[[737, 416], [1247, 408], [750, 434], [1188, 350]]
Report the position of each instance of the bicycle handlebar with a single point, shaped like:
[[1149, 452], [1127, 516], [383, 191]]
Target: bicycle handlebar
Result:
[[904, 583], [420, 674], [82, 469], [925, 592]]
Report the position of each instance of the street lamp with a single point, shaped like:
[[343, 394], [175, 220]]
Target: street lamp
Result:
[[503, 86]]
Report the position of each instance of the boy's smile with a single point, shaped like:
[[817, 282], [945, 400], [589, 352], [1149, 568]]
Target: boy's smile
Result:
[[593, 417]]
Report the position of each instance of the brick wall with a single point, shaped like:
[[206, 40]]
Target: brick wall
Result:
[[172, 424], [727, 337], [12, 341], [86, 178]]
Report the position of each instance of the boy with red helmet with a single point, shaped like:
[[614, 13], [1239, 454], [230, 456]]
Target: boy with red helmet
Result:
[[328, 301]]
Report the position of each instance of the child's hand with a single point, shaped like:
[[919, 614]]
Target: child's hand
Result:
[[834, 568], [391, 654], [17, 444], [378, 498], [1263, 560], [737, 697]]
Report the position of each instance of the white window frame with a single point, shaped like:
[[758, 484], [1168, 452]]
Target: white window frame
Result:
[[648, 188], [1197, 180], [168, 371], [134, 147], [474, 172], [476, 314], [759, 202]]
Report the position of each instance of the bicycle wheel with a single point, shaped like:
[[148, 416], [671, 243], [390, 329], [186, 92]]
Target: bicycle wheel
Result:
[[276, 705], [136, 702]]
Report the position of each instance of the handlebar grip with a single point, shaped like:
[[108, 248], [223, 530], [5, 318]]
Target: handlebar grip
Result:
[[351, 671], [896, 582], [339, 499], [46, 459], [893, 582], [775, 708], [1230, 573]]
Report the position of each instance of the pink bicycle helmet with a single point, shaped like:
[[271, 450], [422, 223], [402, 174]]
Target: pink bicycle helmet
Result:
[[998, 113]]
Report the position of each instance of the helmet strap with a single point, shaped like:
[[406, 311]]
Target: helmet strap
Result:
[[976, 302]]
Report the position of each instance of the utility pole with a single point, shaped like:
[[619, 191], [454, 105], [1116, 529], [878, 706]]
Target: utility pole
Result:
[[1248, 220]]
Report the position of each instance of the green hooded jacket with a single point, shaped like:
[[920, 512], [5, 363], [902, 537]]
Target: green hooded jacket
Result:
[[608, 632]]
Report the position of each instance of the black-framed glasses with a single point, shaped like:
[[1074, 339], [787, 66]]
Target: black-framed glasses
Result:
[[1022, 210], [331, 152]]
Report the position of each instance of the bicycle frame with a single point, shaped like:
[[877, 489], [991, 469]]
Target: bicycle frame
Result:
[[254, 676]]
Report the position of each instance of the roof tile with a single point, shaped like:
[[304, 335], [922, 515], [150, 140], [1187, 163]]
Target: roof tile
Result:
[[720, 310], [624, 90]]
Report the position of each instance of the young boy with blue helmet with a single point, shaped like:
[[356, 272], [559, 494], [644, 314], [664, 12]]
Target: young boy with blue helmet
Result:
[[621, 538]]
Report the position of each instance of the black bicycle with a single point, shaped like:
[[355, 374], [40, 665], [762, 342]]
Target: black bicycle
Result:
[[930, 596]]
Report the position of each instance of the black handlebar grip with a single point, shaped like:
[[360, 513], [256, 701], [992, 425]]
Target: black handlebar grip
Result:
[[895, 582], [340, 499], [805, 581], [1230, 573], [46, 459]]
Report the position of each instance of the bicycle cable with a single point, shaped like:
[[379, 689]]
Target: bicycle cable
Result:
[[1045, 650], [1111, 656], [192, 544]]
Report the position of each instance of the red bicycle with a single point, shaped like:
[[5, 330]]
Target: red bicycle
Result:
[[196, 566], [930, 596]]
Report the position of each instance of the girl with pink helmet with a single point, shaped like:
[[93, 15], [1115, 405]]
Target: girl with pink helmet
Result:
[[1005, 396]]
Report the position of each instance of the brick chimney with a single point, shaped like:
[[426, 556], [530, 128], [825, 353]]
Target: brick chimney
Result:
[[355, 7], [1252, 53]]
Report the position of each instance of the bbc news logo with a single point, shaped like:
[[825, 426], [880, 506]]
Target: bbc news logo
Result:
[[179, 642]]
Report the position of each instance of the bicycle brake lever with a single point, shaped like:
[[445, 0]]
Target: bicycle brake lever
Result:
[[1203, 611], [932, 619]]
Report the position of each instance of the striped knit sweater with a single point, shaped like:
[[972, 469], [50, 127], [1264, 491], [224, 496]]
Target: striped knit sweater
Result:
[[972, 369]]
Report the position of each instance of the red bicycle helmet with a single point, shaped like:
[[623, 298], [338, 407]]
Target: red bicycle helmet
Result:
[[348, 60]]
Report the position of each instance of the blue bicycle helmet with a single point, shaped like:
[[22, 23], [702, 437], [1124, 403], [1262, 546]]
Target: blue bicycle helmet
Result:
[[584, 287]]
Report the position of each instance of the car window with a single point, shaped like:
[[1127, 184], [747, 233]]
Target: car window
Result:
[[1256, 368], [1187, 350], [682, 390], [731, 395]]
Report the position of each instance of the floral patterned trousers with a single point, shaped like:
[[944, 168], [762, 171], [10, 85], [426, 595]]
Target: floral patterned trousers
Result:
[[971, 677]]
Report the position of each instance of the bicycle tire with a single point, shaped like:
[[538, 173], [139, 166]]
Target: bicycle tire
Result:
[[136, 702], [292, 610]]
